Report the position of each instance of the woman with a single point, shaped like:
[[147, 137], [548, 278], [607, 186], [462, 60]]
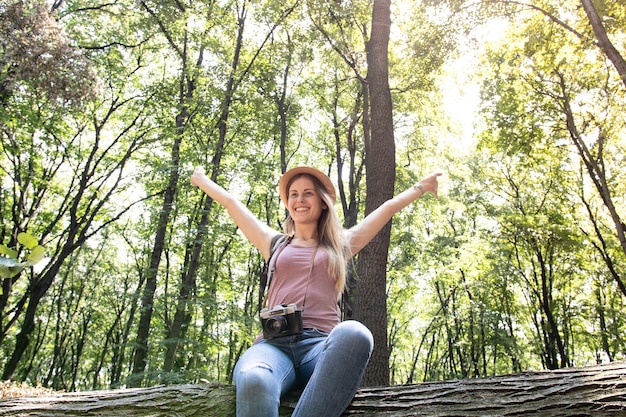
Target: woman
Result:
[[327, 358]]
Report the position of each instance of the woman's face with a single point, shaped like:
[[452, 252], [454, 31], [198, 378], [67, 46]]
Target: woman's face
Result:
[[304, 202]]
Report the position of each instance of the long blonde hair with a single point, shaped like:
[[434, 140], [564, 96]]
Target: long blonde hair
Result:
[[331, 235]]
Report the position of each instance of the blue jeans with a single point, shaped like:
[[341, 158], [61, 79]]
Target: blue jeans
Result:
[[328, 365]]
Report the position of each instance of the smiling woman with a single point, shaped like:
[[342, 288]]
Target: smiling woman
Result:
[[311, 349]]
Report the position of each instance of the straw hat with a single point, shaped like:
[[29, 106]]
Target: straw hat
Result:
[[323, 178]]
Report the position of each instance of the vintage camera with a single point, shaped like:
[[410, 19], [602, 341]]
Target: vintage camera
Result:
[[282, 320]]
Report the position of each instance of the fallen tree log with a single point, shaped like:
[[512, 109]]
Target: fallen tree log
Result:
[[590, 391]]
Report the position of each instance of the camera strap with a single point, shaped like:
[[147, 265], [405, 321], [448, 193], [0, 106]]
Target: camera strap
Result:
[[308, 281]]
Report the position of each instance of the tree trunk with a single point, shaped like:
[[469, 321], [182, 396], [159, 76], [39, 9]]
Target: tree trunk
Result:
[[140, 357], [371, 291], [595, 390], [595, 165], [604, 43]]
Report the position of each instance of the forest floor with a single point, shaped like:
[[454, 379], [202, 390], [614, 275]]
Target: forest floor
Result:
[[9, 389]]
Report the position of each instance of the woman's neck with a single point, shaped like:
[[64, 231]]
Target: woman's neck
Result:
[[306, 236]]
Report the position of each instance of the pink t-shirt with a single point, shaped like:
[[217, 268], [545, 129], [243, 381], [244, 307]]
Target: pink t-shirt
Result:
[[291, 284]]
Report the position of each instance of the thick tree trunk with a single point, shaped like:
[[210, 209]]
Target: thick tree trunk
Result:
[[596, 390], [380, 165]]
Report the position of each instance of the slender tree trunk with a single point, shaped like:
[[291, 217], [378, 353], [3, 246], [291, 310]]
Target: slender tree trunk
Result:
[[604, 331], [147, 295], [557, 347], [118, 361], [594, 163], [186, 93], [23, 337], [147, 298], [188, 280], [380, 165], [604, 43]]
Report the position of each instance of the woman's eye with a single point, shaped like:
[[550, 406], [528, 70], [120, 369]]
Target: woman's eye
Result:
[[305, 194]]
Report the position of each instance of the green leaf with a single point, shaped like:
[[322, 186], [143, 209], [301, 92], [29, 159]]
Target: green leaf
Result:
[[5, 250], [36, 255], [27, 240]]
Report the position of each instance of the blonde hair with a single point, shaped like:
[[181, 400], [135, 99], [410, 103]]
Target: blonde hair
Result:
[[331, 235]]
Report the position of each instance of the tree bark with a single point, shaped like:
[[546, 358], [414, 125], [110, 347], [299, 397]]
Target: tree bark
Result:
[[380, 165], [595, 390]]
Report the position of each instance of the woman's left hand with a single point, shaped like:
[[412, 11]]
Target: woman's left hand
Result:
[[430, 184]]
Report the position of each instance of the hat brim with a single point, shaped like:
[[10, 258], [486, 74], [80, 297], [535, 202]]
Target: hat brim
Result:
[[323, 178]]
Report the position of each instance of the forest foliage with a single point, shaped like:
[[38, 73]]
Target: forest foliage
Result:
[[108, 106]]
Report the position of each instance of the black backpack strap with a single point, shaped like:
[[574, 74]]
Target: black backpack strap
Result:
[[345, 305], [274, 244]]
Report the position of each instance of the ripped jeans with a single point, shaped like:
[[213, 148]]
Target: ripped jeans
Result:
[[328, 365]]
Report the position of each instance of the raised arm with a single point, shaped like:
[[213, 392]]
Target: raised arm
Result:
[[257, 232], [361, 234]]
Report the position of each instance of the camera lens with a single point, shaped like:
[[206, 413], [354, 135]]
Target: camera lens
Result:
[[275, 324]]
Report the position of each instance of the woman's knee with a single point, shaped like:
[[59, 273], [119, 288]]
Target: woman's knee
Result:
[[354, 334], [256, 379]]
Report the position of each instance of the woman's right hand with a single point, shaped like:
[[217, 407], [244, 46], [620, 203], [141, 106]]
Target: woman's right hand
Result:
[[198, 176]]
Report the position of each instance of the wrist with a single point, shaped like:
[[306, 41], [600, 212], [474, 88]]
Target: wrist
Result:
[[420, 188]]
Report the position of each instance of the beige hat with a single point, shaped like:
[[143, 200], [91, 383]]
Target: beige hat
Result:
[[323, 178]]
